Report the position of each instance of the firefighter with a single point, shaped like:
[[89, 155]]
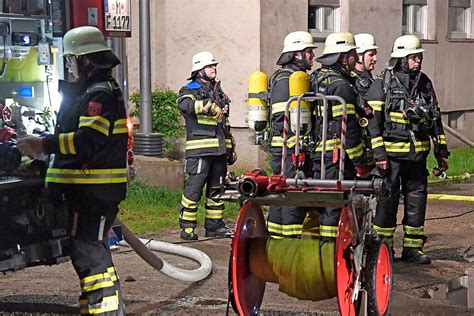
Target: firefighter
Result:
[[209, 147], [88, 164], [334, 78], [406, 117], [297, 55], [367, 58]]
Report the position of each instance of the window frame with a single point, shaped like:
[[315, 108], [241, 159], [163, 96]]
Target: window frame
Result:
[[321, 31], [411, 20], [467, 11]]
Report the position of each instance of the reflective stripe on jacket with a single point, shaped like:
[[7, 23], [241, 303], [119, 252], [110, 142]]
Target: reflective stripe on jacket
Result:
[[204, 136], [280, 94], [391, 131], [89, 146], [332, 83]]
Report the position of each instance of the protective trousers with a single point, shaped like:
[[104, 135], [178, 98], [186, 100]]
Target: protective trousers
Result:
[[286, 221], [90, 220], [412, 177], [203, 171], [329, 219]]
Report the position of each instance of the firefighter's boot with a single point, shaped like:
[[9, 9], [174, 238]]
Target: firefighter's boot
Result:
[[217, 228], [188, 234], [415, 255], [220, 232]]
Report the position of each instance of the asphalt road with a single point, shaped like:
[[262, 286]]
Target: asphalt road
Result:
[[54, 290]]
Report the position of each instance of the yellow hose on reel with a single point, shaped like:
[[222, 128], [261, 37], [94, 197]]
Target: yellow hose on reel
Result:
[[303, 268]]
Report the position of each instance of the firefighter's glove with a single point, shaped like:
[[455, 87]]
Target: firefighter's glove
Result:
[[231, 153], [231, 157], [382, 164], [443, 163], [363, 171], [207, 108], [6, 133], [218, 112], [30, 145]]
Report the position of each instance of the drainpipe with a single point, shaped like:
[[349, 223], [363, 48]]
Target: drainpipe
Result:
[[146, 143], [121, 71], [458, 135], [145, 67]]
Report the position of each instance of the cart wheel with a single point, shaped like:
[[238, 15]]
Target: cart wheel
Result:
[[378, 277], [230, 285], [246, 290], [345, 270]]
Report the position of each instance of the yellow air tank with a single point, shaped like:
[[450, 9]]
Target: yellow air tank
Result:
[[258, 101], [299, 84]]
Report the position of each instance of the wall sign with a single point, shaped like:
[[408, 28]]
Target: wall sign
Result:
[[117, 16]]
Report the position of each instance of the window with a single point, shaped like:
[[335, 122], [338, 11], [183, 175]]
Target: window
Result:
[[459, 19], [415, 18], [456, 119], [323, 17]]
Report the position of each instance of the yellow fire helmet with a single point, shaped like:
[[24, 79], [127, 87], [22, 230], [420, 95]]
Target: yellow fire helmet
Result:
[[406, 45], [364, 42], [340, 42], [295, 42]]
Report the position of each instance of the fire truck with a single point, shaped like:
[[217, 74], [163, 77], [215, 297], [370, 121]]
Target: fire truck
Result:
[[33, 231]]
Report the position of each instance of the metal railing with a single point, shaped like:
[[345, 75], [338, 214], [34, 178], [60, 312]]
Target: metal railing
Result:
[[311, 97]]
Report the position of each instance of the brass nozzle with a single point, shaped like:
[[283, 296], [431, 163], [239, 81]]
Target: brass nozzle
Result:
[[363, 122]]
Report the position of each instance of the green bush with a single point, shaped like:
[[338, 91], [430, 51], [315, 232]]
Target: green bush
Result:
[[165, 113]]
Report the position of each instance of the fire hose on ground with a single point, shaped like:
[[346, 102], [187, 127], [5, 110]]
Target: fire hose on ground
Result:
[[144, 248]]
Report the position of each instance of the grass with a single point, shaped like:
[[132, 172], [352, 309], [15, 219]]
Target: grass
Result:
[[461, 161], [149, 209]]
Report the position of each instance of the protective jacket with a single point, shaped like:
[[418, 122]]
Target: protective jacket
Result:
[[89, 147], [330, 81], [280, 93], [362, 83], [204, 136], [406, 116], [89, 168], [207, 152]]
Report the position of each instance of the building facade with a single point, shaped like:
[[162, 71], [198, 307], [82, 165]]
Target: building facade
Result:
[[247, 36]]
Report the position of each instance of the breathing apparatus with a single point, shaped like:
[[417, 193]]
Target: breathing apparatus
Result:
[[299, 83], [260, 85]]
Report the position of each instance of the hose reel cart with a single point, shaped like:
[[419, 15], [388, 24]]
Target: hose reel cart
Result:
[[356, 268]]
